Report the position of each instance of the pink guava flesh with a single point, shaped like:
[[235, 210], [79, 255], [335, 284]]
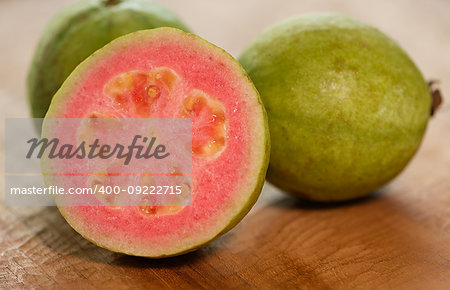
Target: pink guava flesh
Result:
[[164, 73]]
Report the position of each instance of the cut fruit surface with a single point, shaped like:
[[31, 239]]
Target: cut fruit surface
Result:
[[166, 73]]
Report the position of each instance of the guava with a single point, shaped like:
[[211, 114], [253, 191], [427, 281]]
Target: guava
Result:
[[78, 31], [167, 73], [347, 107]]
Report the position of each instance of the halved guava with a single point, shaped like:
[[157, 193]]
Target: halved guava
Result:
[[167, 73]]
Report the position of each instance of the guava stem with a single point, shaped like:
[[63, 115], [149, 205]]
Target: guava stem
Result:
[[436, 96], [111, 2]]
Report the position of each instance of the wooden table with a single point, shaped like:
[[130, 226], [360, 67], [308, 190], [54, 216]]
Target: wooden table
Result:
[[397, 238]]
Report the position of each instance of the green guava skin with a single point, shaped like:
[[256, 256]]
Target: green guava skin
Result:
[[347, 107], [77, 32]]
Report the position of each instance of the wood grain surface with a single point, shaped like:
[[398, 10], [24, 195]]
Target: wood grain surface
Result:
[[397, 238]]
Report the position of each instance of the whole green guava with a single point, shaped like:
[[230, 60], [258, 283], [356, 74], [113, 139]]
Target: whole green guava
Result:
[[77, 32], [347, 107]]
